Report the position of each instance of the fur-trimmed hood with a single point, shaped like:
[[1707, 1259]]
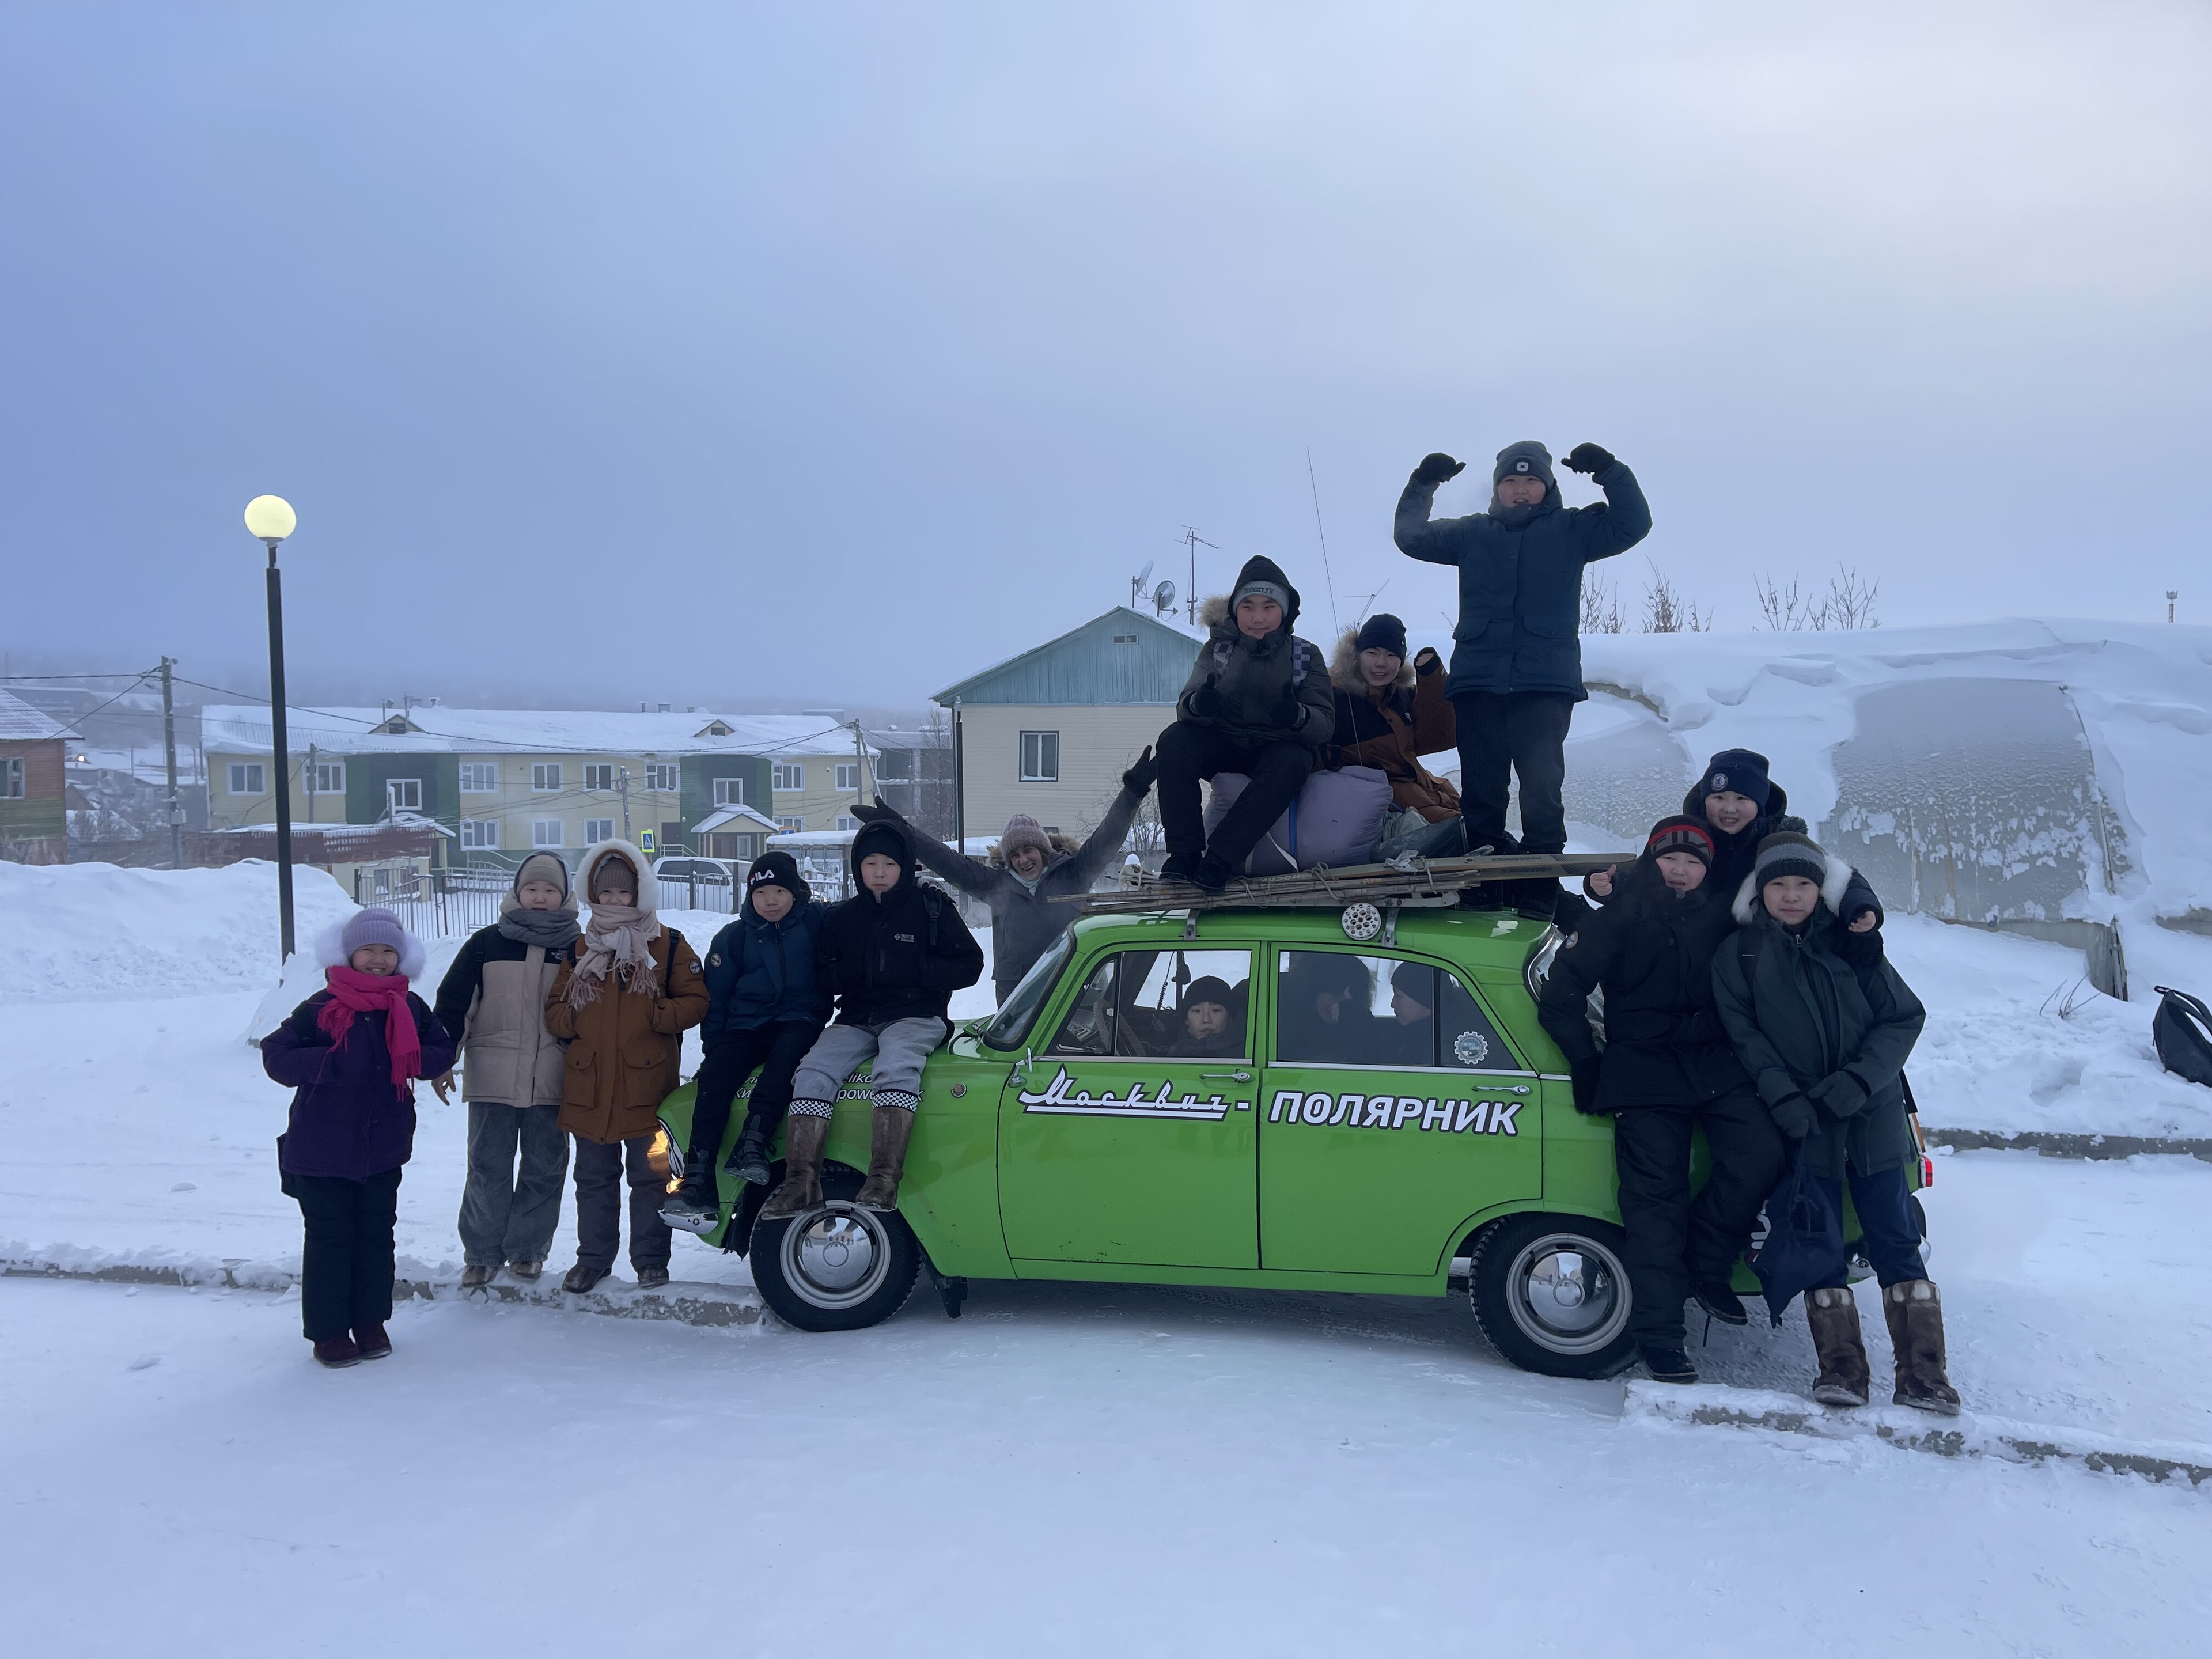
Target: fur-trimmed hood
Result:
[[1344, 666], [1839, 878], [329, 952], [648, 889]]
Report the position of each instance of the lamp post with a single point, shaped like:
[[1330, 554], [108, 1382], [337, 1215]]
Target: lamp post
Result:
[[271, 519]]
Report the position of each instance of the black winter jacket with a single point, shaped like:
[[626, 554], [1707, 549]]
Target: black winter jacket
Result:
[[1253, 676], [900, 957], [1521, 580], [1652, 954], [1801, 1005], [1026, 919], [760, 973]]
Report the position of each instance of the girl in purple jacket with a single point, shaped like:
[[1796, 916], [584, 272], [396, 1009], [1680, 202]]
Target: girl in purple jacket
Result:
[[351, 1053]]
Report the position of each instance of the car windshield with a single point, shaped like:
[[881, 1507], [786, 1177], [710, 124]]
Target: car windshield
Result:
[[1014, 1020]]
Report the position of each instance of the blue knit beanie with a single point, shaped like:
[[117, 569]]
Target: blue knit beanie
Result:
[[1738, 772]]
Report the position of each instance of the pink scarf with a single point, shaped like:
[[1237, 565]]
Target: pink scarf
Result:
[[353, 992]]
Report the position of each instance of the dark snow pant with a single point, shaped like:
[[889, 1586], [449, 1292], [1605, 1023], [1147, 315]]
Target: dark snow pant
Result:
[[1674, 1243], [1189, 753], [1889, 1233], [776, 1049], [507, 1216], [345, 1266], [1503, 734], [600, 1166]]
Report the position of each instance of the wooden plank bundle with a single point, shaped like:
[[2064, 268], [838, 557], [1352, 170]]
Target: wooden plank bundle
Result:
[[1411, 882]]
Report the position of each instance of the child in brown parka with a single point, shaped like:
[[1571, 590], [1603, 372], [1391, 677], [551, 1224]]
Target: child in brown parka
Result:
[[629, 990]]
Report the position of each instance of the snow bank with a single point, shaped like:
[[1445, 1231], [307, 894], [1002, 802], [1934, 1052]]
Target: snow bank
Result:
[[94, 932]]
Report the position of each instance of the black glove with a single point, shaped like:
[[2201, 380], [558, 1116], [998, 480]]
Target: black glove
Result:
[[1585, 1073], [1284, 713], [1589, 458], [1840, 1093], [1425, 661], [1139, 778], [878, 813], [1437, 469], [1205, 701], [1795, 1117]]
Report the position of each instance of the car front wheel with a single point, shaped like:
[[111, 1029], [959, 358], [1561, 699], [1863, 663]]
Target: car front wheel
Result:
[[1551, 1294], [834, 1267]]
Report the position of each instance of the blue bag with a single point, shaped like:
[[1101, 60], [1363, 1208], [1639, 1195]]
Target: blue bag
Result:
[[1804, 1238]]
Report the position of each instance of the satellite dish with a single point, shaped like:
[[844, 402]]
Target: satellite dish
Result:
[[1163, 597], [1145, 575]]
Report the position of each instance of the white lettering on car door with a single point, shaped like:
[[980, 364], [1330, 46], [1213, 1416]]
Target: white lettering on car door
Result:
[[1481, 1117]]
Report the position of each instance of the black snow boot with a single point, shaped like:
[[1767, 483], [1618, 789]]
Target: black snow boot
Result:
[[692, 1207], [1178, 866], [1211, 875], [1666, 1365], [748, 1159], [1718, 1299]]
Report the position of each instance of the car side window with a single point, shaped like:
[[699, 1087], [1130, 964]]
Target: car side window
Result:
[[1166, 1004], [1341, 1008]]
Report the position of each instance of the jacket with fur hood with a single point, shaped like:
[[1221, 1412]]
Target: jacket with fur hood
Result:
[[1253, 676], [1024, 916], [346, 1119], [898, 957], [1392, 728], [624, 1049], [1801, 1003]]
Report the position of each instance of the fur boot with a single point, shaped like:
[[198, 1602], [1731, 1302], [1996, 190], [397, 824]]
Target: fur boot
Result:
[[889, 1128], [804, 1137], [1915, 1313], [1833, 1314]]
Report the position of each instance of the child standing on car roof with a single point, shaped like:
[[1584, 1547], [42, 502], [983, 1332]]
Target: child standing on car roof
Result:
[[1516, 667], [351, 1053], [621, 1004], [1823, 1027], [766, 1006], [892, 955], [492, 1002]]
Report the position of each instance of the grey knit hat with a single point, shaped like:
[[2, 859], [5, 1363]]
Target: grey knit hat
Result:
[[542, 867], [1023, 831], [375, 925], [1788, 854]]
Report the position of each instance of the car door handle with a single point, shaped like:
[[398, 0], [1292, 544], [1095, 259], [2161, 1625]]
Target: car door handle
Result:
[[1240, 1077]]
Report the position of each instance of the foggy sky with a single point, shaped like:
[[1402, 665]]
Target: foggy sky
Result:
[[831, 353]]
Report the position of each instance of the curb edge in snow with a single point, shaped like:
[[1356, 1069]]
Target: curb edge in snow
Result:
[[1712, 1405], [690, 1305], [2052, 1143]]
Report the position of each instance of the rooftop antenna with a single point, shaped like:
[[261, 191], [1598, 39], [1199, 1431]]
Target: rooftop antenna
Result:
[[1334, 626], [1369, 606], [1137, 585], [1192, 540]]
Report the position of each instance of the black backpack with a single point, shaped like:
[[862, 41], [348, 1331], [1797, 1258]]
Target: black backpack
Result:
[[2182, 1030]]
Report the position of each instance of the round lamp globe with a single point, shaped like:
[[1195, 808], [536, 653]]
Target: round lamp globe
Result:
[[270, 518]]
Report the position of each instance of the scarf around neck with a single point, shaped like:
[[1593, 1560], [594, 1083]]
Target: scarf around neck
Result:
[[550, 930], [352, 992], [619, 939]]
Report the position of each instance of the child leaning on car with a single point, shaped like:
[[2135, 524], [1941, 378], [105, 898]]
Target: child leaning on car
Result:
[[892, 955], [352, 1054], [1824, 1025]]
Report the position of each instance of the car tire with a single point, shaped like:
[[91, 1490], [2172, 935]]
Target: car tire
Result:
[[1543, 1315], [834, 1267]]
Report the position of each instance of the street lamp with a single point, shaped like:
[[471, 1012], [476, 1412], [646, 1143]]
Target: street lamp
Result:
[[270, 518]]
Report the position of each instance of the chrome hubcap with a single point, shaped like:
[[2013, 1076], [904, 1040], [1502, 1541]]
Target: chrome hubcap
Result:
[[1569, 1293], [835, 1256]]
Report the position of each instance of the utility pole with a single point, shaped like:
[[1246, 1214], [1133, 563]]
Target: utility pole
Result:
[[860, 767], [621, 783], [1192, 541], [2172, 594], [311, 783], [169, 755], [959, 779]]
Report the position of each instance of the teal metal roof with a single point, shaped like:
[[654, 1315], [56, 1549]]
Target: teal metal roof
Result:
[[1122, 657]]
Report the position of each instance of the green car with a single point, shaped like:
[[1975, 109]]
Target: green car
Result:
[[1368, 1113]]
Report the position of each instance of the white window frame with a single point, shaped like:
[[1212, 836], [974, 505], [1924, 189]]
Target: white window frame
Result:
[[329, 778], [539, 837], [11, 779], [597, 830], [848, 776], [546, 777], [661, 777], [599, 777], [1034, 765], [396, 794], [730, 792], [480, 777], [847, 821], [248, 777], [790, 777], [480, 835]]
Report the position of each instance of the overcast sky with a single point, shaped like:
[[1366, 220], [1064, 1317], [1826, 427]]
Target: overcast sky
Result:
[[830, 353]]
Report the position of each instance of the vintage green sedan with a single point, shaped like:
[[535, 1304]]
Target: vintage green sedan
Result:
[[1246, 1097]]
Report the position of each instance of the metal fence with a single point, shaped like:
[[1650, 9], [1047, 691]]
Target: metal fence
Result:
[[697, 892], [433, 903]]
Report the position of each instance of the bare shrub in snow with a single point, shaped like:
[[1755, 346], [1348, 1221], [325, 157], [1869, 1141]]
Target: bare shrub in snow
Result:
[[1666, 612], [1600, 608], [1847, 605]]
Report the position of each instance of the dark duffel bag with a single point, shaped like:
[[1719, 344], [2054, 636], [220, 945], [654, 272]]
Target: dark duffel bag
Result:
[[2181, 1029]]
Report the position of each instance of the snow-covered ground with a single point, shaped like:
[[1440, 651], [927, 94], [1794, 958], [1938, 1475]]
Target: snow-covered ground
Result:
[[1067, 1468]]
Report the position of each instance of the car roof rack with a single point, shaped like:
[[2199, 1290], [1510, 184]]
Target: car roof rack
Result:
[[1405, 883]]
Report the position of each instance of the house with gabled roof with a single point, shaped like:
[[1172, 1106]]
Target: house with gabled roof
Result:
[[33, 784]]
